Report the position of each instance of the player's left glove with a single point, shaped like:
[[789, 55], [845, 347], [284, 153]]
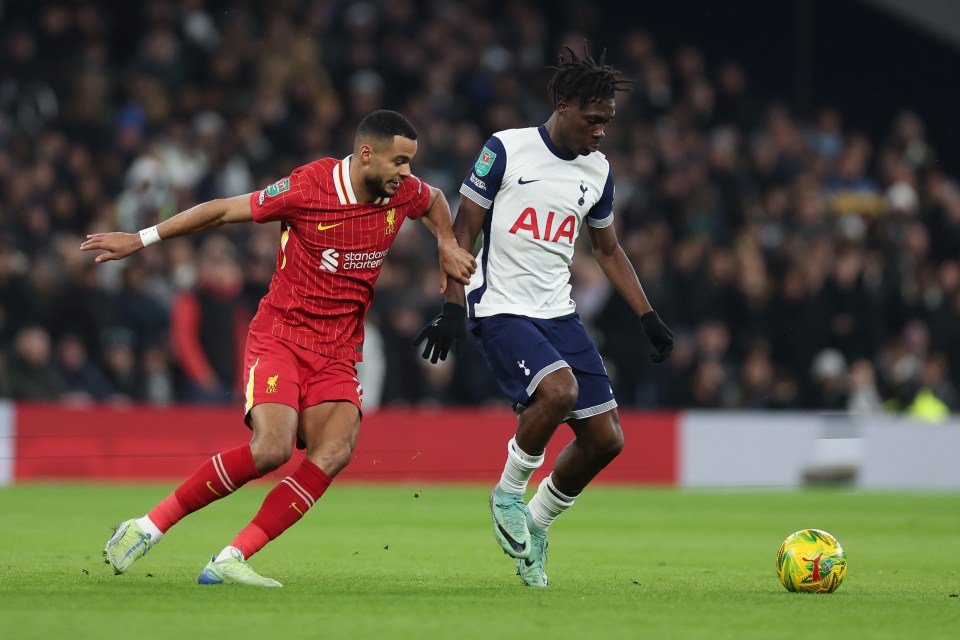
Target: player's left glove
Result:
[[659, 335], [449, 329]]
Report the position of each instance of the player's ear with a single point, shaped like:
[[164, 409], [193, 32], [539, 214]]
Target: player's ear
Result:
[[365, 153], [562, 106]]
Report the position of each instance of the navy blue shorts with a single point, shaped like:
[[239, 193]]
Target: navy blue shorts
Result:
[[521, 351]]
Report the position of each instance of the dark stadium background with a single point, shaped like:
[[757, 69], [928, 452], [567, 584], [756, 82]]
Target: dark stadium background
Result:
[[805, 54], [809, 52], [813, 53]]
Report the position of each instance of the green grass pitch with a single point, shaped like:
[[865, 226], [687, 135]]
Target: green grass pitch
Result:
[[420, 562]]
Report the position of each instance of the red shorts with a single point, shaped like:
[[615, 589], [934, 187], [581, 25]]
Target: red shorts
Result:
[[276, 370]]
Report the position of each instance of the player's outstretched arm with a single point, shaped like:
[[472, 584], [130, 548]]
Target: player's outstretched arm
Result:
[[454, 261], [118, 245]]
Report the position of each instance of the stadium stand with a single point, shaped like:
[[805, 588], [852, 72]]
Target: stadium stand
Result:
[[803, 263]]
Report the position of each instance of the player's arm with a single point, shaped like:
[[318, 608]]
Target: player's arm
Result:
[[208, 215], [466, 229], [619, 270], [454, 262], [448, 330]]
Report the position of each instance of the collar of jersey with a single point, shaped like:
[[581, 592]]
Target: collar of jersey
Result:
[[341, 179], [552, 147]]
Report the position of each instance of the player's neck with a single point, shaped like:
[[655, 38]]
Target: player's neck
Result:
[[553, 130], [360, 189]]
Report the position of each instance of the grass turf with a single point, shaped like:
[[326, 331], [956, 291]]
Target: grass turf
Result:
[[421, 562]]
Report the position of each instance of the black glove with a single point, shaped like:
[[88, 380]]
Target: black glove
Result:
[[446, 330], [659, 335]]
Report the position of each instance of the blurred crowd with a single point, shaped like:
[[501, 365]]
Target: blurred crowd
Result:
[[801, 263]]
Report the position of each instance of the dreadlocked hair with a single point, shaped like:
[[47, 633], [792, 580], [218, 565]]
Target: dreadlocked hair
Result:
[[582, 76]]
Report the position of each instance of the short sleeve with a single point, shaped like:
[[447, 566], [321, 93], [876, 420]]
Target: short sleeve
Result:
[[421, 199], [483, 182], [601, 215], [282, 199]]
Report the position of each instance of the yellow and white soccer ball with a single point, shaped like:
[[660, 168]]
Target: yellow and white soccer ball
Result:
[[811, 560]]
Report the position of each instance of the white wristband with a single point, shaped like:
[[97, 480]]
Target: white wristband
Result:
[[149, 236]]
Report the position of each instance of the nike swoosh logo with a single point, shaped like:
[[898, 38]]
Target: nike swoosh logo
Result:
[[210, 486], [324, 227], [522, 181], [513, 543], [528, 562], [293, 505]]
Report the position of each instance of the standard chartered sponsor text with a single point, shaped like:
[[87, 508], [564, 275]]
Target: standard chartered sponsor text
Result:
[[363, 259]]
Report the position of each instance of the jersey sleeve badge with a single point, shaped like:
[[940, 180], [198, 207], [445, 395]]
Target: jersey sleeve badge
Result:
[[484, 162], [275, 189], [278, 187]]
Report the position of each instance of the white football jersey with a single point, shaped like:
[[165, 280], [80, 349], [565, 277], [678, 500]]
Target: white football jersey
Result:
[[537, 198]]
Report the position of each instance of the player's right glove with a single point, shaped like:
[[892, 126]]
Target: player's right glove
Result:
[[659, 335], [449, 329]]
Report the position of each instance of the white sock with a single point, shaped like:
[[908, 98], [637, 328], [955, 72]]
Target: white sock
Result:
[[147, 525], [228, 552], [518, 469], [548, 503]]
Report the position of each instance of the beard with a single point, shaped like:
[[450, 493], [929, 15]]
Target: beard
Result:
[[376, 186]]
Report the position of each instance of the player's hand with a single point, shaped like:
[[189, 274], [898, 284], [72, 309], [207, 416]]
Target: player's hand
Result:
[[456, 263], [117, 245], [659, 335], [449, 329]]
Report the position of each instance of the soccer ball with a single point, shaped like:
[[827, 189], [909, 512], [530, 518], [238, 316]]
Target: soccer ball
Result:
[[811, 560]]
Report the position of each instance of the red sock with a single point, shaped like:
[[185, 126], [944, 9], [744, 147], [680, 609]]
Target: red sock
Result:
[[216, 478], [283, 507]]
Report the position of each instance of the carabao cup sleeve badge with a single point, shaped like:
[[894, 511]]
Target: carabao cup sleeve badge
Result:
[[278, 187], [484, 162]]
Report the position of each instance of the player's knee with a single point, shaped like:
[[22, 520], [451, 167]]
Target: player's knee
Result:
[[270, 455], [611, 445], [332, 459], [560, 392], [606, 444]]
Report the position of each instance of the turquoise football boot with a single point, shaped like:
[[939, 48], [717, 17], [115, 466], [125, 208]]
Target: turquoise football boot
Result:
[[532, 570], [510, 522]]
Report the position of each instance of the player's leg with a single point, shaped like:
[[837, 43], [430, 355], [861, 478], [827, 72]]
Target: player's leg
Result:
[[593, 418], [550, 405], [534, 376], [274, 433], [215, 478], [330, 431], [329, 425], [598, 440], [551, 402], [228, 470]]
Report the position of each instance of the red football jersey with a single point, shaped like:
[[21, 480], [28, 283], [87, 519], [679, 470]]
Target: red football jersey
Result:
[[331, 251]]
